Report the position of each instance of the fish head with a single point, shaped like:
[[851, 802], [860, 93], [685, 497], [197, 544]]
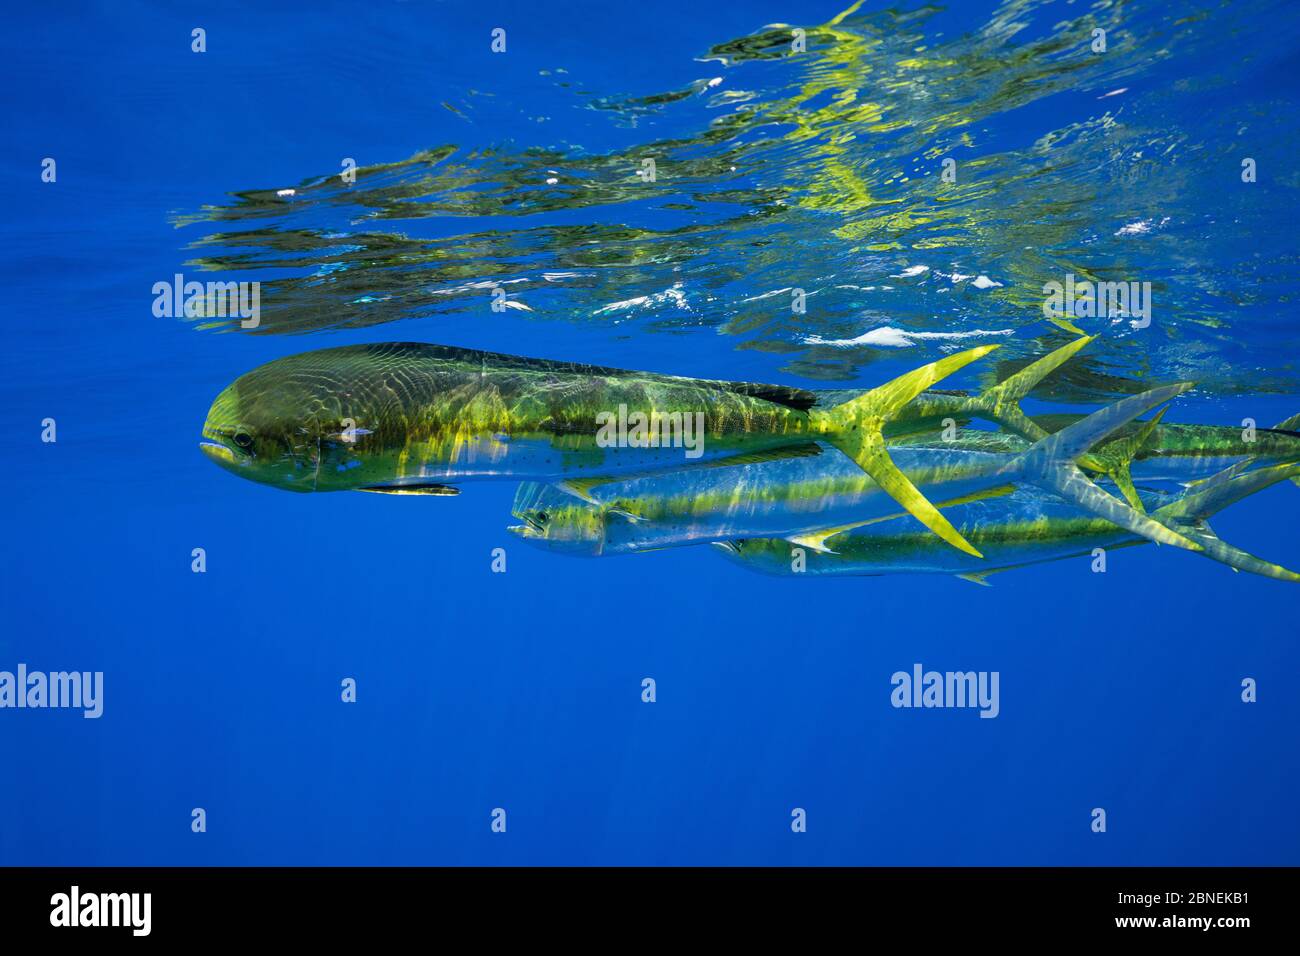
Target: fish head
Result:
[[330, 420], [558, 520], [769, 555], [240, 437], [287, 431]]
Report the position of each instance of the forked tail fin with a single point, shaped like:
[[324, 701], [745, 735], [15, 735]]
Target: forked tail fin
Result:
[[1291, 424], [1001, 403], [1115, 460], [1207, 498], [1050, 464], [1191, 512], [856, 428]]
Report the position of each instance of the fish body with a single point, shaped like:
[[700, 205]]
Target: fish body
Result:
[[1024, 528], [418, 418], [1027, 527], [778, 497], [372, 415], [809, 499], [1183, 452], [1170, 452], [411, 415]]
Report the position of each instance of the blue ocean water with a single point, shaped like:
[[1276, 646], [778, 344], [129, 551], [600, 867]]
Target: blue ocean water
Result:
[[479, 690]]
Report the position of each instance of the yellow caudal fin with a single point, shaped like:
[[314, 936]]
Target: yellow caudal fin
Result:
[[883, 402], [869, 451], [856, 428], [1050, 464], [1115, 459], [1190, 514], [1291, 424], [1001, 403]]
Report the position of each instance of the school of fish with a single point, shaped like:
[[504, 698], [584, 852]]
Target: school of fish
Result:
[[902, 478]]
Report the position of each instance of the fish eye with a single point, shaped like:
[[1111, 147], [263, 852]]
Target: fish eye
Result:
[[543, 517], [242, 439]]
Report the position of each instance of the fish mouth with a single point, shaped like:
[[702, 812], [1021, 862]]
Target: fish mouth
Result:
[[531, 527], [218, 453]]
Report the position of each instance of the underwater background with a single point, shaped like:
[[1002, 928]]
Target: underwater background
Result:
[[479, 690]]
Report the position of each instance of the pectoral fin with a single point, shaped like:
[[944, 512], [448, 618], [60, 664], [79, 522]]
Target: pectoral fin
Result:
[[816, 540], [1067, 325], [430, 488]]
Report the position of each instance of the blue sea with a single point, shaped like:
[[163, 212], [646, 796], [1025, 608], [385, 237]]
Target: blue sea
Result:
[[1119, 155]]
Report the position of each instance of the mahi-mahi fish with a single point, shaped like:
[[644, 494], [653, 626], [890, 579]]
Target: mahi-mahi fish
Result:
[[1022, 529], [809, 499], [416, 419]]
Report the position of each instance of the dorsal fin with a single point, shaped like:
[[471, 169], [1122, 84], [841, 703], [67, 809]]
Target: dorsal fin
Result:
[[799, 399], [796, 398]]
